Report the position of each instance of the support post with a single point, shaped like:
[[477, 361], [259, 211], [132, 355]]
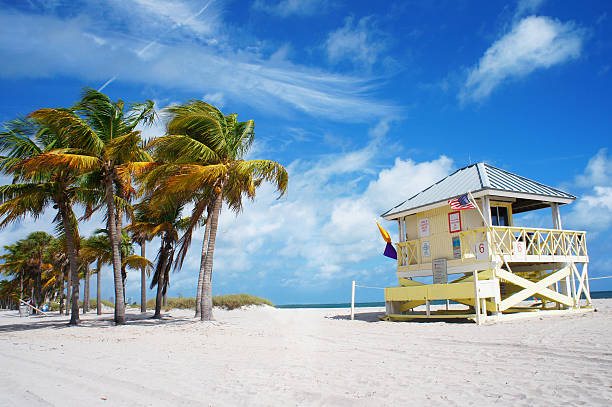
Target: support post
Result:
[[476, 298], [556, 215], [353, 301], [427, 308], [585, 272], [486, 210]]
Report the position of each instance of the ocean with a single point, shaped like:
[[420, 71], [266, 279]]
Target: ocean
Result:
[[594, 294]]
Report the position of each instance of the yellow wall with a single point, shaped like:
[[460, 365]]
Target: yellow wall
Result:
[[440, 239]]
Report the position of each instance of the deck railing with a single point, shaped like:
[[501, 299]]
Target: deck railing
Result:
[[514, 243]]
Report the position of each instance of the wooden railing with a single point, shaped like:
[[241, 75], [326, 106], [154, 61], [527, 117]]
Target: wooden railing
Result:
[[514, 243]]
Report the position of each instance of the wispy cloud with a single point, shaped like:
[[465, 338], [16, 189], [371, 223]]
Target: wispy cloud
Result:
[[201, 61], [533, 43], [286, 8], [525, 7], [358, 42]]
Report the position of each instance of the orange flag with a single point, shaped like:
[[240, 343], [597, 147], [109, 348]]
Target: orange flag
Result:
[[384, 233]]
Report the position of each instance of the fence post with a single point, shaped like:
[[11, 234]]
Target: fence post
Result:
[[353, 301]]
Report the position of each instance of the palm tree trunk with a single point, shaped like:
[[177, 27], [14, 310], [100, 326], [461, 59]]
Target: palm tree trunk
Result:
[[206, 305], [61, 294], [98, 288], [68, 291], [86, 290], [72, 261], [143, 279], [160, 271], [114, 238], [198, 310], [158, 297]]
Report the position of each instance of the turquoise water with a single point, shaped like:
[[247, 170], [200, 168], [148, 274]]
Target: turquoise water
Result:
[[594, 294]]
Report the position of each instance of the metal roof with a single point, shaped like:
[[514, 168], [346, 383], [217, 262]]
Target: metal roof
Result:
[[487, 180]]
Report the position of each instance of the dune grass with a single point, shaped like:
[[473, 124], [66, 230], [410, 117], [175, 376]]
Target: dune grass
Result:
[[229, 302], [54, 306]]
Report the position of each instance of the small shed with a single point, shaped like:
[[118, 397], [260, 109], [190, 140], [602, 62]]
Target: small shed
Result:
[[478, 258]]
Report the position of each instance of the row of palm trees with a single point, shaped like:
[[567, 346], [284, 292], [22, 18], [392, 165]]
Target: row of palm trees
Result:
[[38, 267], [92, 156]]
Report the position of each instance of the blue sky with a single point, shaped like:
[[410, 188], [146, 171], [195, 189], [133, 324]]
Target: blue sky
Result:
[[365, 103]]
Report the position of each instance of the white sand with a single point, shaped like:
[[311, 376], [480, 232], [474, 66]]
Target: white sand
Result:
[[266, 356]]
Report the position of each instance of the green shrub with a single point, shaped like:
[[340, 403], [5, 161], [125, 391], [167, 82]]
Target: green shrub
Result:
[[233, 301], [228, 302]]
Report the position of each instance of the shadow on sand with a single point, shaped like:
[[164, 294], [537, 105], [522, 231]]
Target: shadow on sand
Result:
[[375, 317], [56, 321]]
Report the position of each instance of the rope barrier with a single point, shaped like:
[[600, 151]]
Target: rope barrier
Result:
[[365, 286]]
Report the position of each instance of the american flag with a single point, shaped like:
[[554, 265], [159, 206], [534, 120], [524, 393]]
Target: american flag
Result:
[[463, 202]]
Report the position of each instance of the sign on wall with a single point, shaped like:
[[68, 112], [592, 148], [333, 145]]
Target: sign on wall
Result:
[[425, 249], [456, 247], [482, 250], [454, 222], [424, 227], [440, 274]]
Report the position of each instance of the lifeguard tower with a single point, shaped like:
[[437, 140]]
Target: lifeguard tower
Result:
[[478, 258]]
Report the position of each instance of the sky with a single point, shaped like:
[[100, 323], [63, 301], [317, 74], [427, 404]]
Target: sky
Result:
[[365, 103]]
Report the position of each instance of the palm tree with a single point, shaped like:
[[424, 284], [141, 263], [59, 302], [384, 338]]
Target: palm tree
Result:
[[104, 144], [97, 248], [142, 236], [163, 220], [28, 145], [204, 154], [56, 256], [25, 261]]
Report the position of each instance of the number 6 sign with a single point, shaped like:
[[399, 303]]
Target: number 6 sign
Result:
[[482, 250], [518, 250]]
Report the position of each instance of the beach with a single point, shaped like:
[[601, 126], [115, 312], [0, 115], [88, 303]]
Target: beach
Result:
[[263, 356]]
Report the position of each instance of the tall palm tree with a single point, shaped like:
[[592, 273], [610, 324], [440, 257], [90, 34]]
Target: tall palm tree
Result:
[[28, 145], [204, 153], [103, 140]]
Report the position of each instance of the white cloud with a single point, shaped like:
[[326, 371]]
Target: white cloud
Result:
[[324, 228], [207, 64], [597, 172], [533, 43], [360, 43], [593, 210], [217, 99], [286, 8]]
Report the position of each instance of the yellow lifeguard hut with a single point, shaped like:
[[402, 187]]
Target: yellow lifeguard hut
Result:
[[478, 258]]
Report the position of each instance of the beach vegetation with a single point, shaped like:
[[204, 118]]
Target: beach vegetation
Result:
[[204, 152], [229, 302], [103, 144], [92, 156]]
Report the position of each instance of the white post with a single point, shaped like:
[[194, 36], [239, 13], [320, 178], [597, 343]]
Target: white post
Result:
[[476, 298], [556, 216], [427, 308], [486, 210], [353, 301]]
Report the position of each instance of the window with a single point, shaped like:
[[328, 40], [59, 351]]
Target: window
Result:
[[499, 216]]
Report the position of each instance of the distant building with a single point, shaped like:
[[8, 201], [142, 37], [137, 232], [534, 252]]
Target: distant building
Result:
[[478, 258]]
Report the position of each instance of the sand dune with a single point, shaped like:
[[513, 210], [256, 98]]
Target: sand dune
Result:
[[266, 356]]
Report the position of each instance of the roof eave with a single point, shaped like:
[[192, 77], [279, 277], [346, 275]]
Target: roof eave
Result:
[[478, 194]]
